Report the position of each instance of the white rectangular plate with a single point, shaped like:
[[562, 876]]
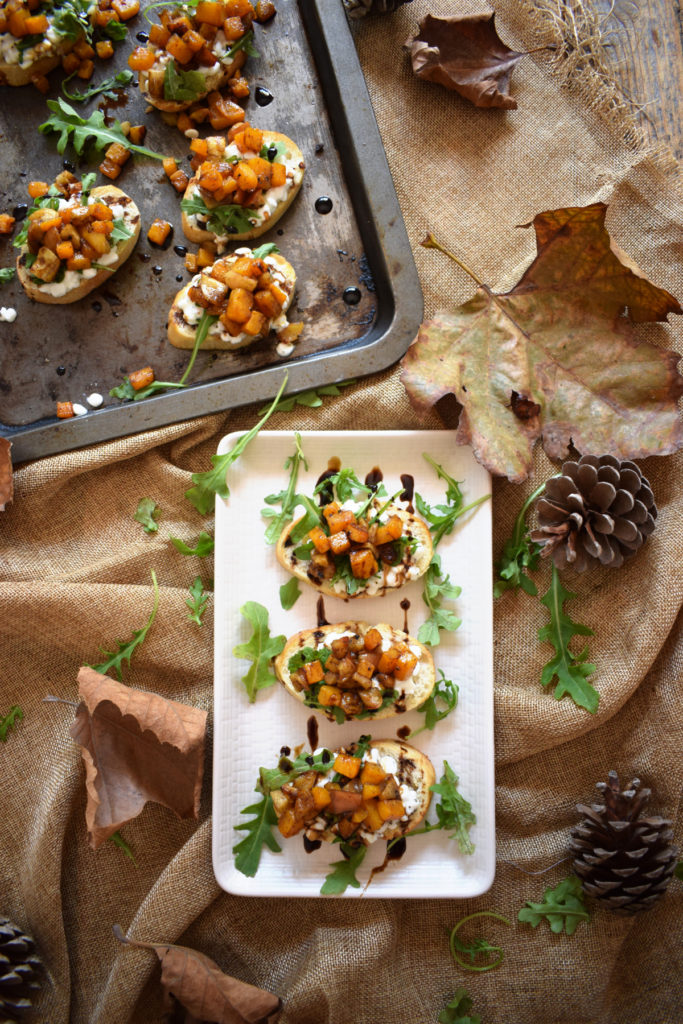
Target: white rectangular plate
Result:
[[248, 736]]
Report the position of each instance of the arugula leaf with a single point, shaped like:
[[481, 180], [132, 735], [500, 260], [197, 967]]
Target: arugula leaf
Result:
[[276, 149], [180, 85], [310, 399], [453, 811], [125, 390], [278, 520], [571, 671], [442, 518], [436, 589], [146, 513], [203, 547], [343, 572], [116, 30], [345, 483], [520, 554], [267, 249], [197, 601], [71, 127], [306, 656], [457, 1011], [109, 87], [312, 517], [245, 43], [562, 907], [259, 834], [225, 219], [71, 19], [118, 840], [442, 700], [260, 649], [50, 202], [288, 770], [28, 42], [120, 232], [477, 947], [343, 872], [10, 720], [208, 485], [290, 593], [6, 274], [125, 652]]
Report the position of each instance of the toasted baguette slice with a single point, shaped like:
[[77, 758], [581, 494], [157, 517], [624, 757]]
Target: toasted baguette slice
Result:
[[18, 69], [184, 314], [412, 771], [77, 284], [21, 74], [411, 692], [415, 563], [274, 201], [151, 84]]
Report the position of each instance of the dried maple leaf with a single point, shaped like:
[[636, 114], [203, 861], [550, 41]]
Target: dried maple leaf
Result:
[[6, 486], [467, 55], [136, 747], [561, 339], [209, 995]]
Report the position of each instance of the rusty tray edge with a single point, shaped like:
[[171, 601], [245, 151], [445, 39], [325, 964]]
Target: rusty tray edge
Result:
[[387, 246]]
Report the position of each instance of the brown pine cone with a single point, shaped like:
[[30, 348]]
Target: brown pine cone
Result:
[[359, 8], [598, 511]]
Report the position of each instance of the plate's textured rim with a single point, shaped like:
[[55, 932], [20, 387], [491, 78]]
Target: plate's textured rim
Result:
[[295, 882], [382, 229]]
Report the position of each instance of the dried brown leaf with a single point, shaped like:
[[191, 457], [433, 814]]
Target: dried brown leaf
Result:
[[6, 484], [205, 991], [465, 54], [561, 339], [136, 747]]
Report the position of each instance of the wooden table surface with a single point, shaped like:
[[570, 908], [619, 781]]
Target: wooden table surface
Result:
[[644, 42]]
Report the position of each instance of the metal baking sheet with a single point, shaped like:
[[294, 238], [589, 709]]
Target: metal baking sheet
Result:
[[63, 353]]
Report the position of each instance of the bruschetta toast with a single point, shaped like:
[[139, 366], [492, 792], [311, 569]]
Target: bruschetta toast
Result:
[[74, 238], [373, 789], [241, 184], [354, 670], [248, 294]]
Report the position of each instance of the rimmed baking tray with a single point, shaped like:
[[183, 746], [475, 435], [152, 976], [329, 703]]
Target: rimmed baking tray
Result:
[[308, 62]]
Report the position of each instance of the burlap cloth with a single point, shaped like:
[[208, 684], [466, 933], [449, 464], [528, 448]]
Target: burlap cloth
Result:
[[76, 575]]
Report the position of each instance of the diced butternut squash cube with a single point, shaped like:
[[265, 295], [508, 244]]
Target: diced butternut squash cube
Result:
[[278, 175], [179, 50], [330, 510], [341, 521], [359, 815], [36, 25], [359, 532], [142, 59], [329, 696], [339, 543], [405, 665], [126, 9], [365, 665], [373, 639], [205, 257], [289, 824], [140, 379], [159, 231], [193, 40], [256, 324], [372, 773], [38, 188], [320, 796], [245, 177], [373, 821], [179, 180], [347, 765], [210, 12], [363, 564], [137, 133], [233, 28], [313, 671], [290, 334], [65, 250], [105, 49], [390, 809], [371, 790], [7, 223], [321, 541], [388, 660], [158, 36], [391, 530]]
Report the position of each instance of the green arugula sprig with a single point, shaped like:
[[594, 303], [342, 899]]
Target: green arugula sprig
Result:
[[204, 546], [312, 399], [225, 219], [478, 947], [285, 498], [6, 274], [208, 485], [110, 87], [442, 700], [10, 721], [260, 649], [343, 873], [571, 671], [197, 601], [71, 20], [345, 483], [126, 389], [290, 593], [181, 86], [457, 1011], [116, 659], [147, 513], [91, 131], [118, 840], [519, 556], [289, 769], [438, 588], [442, 518], [562, 907]]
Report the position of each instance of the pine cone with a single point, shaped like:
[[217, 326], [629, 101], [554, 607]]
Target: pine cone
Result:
[[623, 859], [19, 967], [598, 511], [359, 8]]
